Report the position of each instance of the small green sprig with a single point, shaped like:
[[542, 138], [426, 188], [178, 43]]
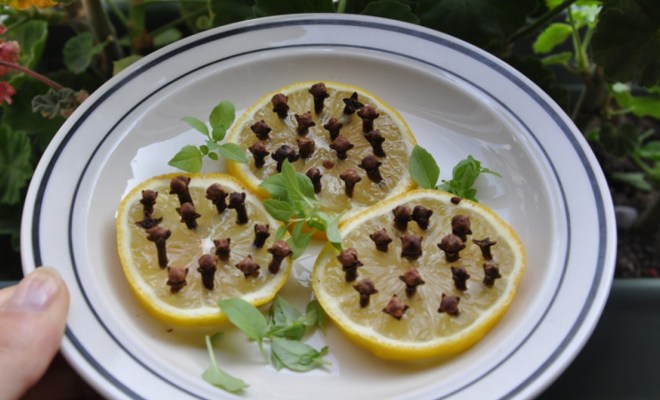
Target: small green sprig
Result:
[[216, 376], [294, 203], [425, 172], [284, 327], [190, 157]]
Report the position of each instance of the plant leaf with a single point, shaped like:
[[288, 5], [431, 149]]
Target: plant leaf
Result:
[[32, 35], [232, 151], [197, 123], [634, 179], [221, 118], [78, 52], [274, 185], [279, 209], [296, 355], [423, 168], [392, 9], [189, 159], [551, 37], [245, 317], [123, 63], [216, 376], [15, 164]]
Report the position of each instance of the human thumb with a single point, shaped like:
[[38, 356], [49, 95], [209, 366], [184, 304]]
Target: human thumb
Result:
[[32, 320]]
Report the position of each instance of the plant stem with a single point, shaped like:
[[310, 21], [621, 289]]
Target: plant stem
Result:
[[103, 31], [32, 74], [541, 21], [140, 40], [341, 7]]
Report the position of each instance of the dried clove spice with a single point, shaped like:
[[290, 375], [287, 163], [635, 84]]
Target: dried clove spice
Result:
[[421, 215], [333, 126], [320, 93], [260, 235], [351, 104], [237, 202], [460, 276], [280, 106], [395, 307], [179, 186], [455, 200], [176, 278], [259, 152], [485, 245], [372, 167], [365, 288], [411, 246], [188, 215], [368, 114], [159, 236], [314, 174], [148, 201], [376, 140], [217, 194], [261, 129], [207, 267], [248, 267], [305, 121], [460, 226], [350, 178], [491, 272], [284, 152], [449, 305], [341, 145], [306, 147], [349, 263], [280, 250], [381, 239], [402, 215], [451, 245], [149, 222], [327, 164], [412, 278], [222, 248]]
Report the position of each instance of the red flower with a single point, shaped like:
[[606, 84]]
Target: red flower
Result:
[[9, 52], [6, 91]]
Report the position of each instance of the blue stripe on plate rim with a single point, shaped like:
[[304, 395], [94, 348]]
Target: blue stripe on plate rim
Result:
[[371, 24]]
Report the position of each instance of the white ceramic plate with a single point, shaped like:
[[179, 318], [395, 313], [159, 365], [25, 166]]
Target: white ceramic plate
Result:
[[457, 99]]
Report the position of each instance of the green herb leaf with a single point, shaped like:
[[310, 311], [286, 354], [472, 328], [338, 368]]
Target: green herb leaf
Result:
[[285, 320], [332, 228], [650, 150], [423, 168], [552, 36], [189, 159], [314, 315], [221, 119], [464, 176], [281, 231], [217, 377], [123, 63], [198, 124], [297, 356], [299, 240], [245, 317], [232, 151], [15, 164], [279, 209], [274, 185], [634, 179], [78, 52]]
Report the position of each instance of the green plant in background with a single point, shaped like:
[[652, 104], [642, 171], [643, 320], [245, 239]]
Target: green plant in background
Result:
[[609, 50]]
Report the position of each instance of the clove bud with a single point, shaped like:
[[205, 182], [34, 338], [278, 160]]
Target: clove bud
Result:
[[449, 304], [148, 201], [421, 215], [237, 202], [261, 129], [260, 235], [376, 140], [341, 145], [179, 186], [159, 236], [460, 226], [222, 248], [368, 114], [350, 178], [306, 147], [217, 194], [320, 93], [248, 267], [284, 152], [411, 246], [402, 215], [188, 215], [485, 245], [451, 245], [333, 126], [280, 106], [412, 278], [349, 263], [279, 250], [259, 152], [314, 174], [381, 239], [395, 307], [460, 276], [372, 167], [365, 288], [305, 122], [491, 272], [351, 104], [207, 267], [176, 278]]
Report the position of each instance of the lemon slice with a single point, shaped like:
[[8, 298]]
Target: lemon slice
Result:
[[417, 306], [164, 288], [393, 138]]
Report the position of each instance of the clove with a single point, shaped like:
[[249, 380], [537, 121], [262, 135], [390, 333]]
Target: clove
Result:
[[179, 186], [365, 288], [402, 215], [460, 276], [261, 129], [248, 267], [372, 167], [341, 145], [395, 307], [305, 122], [460, 226], [260, 235], [350, 178], [376, 140], [222, 248], [314, 174], [491, 272], [381, 239], [320, 93], [455, 200], [280, 106], [176, 278], [368, 114], [159, 236], [306, 147], [148, 201], [207, 267], [217, 194], [237, 202], [259, 152], [349, 263], [351, 104], [451, 245], [412, 278], [485, 245], [284, 152], [411, 246], [421, 215], [188, 215], [280, 250], [449, 305], [333, 126]]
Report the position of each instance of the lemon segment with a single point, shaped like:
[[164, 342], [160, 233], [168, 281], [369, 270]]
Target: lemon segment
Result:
[[194, 304], [398, 144], [422, 331]]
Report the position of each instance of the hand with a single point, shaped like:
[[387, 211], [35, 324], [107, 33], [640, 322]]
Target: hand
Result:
[[32, 320]]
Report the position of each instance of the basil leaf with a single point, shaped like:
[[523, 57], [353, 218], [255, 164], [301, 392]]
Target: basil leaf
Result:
[[245, 317], [423, 168], [296, 355], [274, 185], [284, 320], [221, 118], [189, 159], [197, 123], [314, 315], [232, 151], [281, 231], [279, 209], [299, 240], [306, 186], [217, 377]]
